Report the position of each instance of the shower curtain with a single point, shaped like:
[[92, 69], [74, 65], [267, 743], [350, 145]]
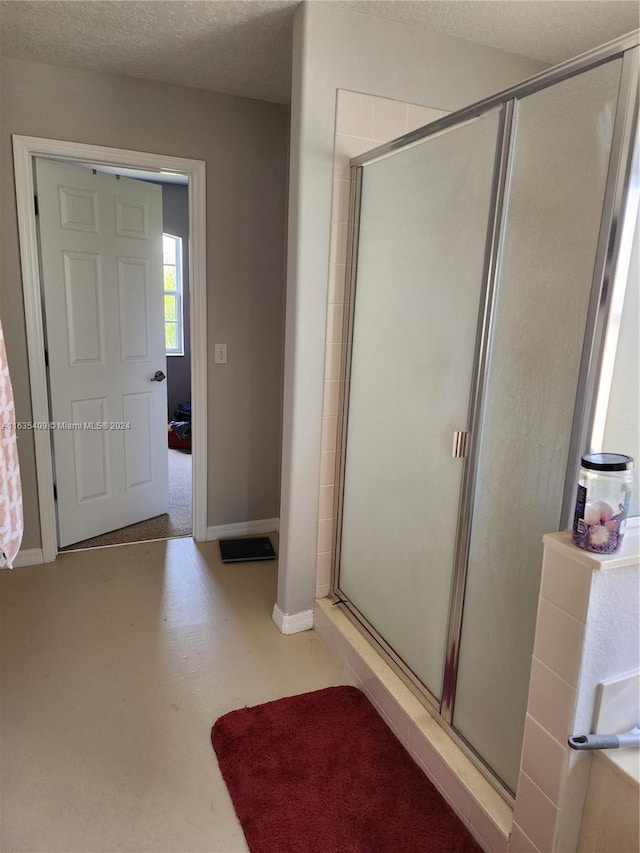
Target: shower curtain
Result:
[[11, 522]]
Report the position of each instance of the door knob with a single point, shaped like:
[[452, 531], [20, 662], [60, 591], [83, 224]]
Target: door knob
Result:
[[158, 376]]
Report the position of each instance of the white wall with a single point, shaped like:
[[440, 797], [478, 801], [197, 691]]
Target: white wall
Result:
[[336, 49]]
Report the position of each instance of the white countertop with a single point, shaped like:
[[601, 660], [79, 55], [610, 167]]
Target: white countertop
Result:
[[628, 554]]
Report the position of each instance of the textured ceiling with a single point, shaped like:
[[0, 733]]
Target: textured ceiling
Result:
[[548, 30], [243, 47]]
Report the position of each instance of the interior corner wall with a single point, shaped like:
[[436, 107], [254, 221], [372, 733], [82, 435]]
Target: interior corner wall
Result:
[[335, 49], [244, 144]]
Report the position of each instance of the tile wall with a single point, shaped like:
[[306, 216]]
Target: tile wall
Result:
[[586, 633], [362, 122]]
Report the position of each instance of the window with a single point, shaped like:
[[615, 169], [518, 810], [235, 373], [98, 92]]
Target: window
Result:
[[172, 260]]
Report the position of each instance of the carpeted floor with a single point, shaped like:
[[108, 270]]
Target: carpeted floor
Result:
[[177, 522], [322, 771]]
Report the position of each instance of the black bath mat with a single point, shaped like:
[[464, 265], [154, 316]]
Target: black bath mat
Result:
[[246, 550]]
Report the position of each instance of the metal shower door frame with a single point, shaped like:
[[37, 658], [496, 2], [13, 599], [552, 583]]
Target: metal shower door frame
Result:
[[607, 253]]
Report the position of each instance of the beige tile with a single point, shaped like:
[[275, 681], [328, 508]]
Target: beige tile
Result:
[[490, 803], [337, 283], [340, 201], [325, 535], [385, 698], [544, 759], [345, 148], [331, 402], [558, 642], [399, 719], [335, 314], [373, 687], [450, 785], [327, 471], [418, 116], [566, 583], [460, 803], [551, 701], [356, 664], [324, 624], [535, 814], [323, 571], [519, 843], [389, 118], [322, 591], [338, 246], [423, 750], [329, 434], [488, 834], [349, 643], [413, 708], [389, 722], [326, 507], [332, 363], [354, 113]]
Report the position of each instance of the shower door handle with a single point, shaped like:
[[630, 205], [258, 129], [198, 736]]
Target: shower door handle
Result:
[[460, 444]]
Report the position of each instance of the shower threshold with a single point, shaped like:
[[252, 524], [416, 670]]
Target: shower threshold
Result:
[[485, 812]]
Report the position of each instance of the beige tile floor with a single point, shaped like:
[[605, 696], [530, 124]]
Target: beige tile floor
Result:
[[115, 664]]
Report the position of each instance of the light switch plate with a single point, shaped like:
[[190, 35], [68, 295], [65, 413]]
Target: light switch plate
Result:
[[220, 353]]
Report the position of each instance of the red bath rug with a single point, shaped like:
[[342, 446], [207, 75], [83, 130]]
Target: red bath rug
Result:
[[322, 773]]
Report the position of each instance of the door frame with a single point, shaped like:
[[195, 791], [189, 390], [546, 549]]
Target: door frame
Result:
[[25, 148]]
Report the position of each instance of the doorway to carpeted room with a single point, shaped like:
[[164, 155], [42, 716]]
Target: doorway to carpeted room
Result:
[[178, 521]]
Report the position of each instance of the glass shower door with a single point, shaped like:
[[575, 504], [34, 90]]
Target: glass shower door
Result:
[[419, 293], [560, 159]]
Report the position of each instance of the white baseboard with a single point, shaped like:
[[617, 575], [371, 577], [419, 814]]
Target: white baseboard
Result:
[[292, 623], [243, 528], [28, 557]]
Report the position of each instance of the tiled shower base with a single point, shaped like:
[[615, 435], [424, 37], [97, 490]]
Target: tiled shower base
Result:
[[486, 814]]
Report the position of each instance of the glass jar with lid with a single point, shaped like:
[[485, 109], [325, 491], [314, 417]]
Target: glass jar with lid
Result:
[[602, 502]]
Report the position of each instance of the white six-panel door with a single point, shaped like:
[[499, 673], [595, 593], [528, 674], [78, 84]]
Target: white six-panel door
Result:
[[101, 258]]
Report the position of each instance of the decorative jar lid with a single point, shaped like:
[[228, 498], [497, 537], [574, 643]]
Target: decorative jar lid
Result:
[[607, 462]]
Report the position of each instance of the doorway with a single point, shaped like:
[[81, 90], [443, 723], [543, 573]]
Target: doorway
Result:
[[157, 168], [168, 512]]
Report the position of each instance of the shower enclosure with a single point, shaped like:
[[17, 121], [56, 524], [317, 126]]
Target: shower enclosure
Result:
[[482, 253]]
